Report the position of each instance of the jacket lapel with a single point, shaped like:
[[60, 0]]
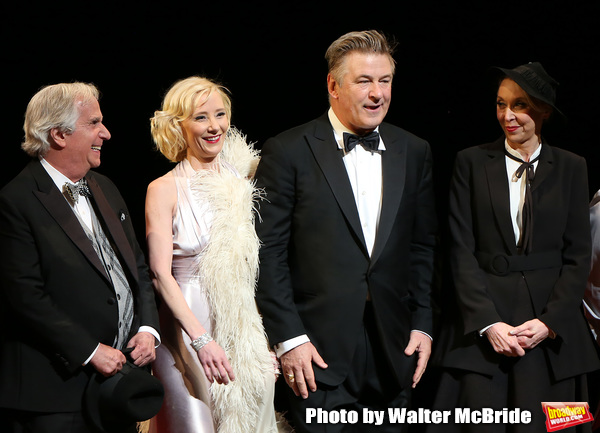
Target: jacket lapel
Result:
[[53, 200], [544, 167], [105, 213], [329, 159], [393, 168], [497, 182]]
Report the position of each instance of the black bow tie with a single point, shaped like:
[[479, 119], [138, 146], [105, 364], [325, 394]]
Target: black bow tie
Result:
[[73, 191], [525, 166], [369, 141]]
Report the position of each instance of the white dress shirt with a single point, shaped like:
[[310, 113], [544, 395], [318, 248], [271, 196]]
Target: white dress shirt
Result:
[[516, 187], [364, 172]]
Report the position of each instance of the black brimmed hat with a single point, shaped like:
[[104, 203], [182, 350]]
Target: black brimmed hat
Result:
[[535, 81], [117, 403]]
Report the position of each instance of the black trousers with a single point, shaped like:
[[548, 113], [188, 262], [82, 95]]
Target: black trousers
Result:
[[370, 385]]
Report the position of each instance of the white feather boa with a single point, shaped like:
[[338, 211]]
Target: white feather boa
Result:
[[228, 267]]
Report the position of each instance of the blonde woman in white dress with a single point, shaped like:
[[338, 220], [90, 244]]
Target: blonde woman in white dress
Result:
[[214, 360]]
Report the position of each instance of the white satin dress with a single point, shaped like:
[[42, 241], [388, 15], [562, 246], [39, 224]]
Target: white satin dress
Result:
[[187, 404]]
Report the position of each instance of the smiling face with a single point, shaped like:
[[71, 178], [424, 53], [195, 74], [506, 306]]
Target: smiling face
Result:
[[519, 119], [204, 131], [75, 152], [361, 98]]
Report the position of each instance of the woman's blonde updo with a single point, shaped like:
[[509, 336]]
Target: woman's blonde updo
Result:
[[178, 105]]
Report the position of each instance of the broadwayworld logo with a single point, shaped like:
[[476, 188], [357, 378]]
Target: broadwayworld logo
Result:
[[562, 415]]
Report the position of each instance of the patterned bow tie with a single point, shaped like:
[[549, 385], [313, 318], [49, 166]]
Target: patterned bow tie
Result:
[[73, 191], [369, 141]]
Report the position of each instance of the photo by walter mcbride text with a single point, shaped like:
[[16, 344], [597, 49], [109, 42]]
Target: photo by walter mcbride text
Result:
[[418, 416]]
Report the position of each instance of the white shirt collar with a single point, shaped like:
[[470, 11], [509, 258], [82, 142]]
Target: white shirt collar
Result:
[[58, 178], [339, 129], [83, 207]]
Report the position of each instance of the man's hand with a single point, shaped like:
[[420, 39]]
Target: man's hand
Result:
[[531, 333], [503, 341], [421, 344], [297, 369], [143, 352], [107, 360]]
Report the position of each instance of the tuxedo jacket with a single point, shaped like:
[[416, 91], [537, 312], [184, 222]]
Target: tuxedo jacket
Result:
[[315, 269], [488, 270], [57, 301]]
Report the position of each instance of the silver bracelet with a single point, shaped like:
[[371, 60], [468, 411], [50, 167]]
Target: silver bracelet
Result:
[[201, 341]]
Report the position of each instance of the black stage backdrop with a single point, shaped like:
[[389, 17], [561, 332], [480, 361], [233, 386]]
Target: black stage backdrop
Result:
[[270, 56]]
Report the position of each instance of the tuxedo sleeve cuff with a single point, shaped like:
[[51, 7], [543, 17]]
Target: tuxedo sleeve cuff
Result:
[[287, 345]]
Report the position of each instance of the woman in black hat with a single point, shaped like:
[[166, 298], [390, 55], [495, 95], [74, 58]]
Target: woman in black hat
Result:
[[520, 256]]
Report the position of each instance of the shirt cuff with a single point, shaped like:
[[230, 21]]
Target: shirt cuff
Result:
[[91, 356], [287, 345], [422, 332], [590, 310], [152, 331], [486, 328]]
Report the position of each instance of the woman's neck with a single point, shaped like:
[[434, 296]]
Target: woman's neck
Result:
[[526, 149], [204, 164]]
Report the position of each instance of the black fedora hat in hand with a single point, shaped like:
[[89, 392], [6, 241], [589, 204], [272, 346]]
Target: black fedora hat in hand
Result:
[[115, 404]]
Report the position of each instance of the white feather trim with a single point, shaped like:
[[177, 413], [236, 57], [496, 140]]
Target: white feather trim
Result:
[[238, 153], [228, 267]]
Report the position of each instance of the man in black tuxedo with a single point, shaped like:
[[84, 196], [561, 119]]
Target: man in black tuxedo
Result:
[[349, 231], [74, 284]]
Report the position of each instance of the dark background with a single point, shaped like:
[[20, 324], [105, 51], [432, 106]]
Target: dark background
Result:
[[270, 56]]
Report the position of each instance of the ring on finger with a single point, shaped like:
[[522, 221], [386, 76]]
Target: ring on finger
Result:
[[291, 377]]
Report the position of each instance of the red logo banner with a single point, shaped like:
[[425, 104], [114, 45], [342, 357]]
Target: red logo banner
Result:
[[562, 415]]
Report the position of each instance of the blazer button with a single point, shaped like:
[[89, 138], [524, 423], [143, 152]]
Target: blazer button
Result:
[[111, 301]]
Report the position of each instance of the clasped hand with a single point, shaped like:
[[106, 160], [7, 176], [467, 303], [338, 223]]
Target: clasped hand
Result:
[[108, 360], [512, 341]]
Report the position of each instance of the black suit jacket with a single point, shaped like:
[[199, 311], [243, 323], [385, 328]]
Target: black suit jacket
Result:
[[315, 269], [481, 228], [57, 301]]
